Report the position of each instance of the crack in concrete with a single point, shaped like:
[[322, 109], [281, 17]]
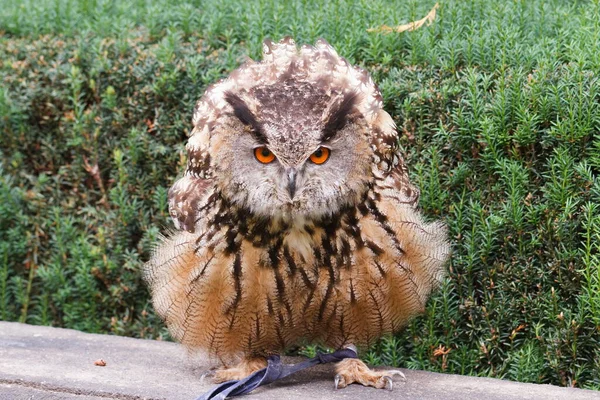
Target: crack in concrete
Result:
[[74, 391]]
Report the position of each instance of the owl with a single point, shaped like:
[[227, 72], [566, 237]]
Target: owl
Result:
[[296, 219]]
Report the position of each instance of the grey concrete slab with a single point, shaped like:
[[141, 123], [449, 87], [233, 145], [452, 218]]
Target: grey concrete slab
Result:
[[16, 391], [50, 363]]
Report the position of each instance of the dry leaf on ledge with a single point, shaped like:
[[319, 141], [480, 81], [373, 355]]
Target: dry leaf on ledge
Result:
[[411, 26], [100, 362]]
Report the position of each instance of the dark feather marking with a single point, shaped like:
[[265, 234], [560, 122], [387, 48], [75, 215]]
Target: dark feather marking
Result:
[[352, 294], [186, 322], [307, 282], [410, 276], [324, 301], [331, 319], [214, 336], [409, 273], [309, 297], [374, 247], [237, 283], [329, 290], [345, 248], [414, 225], [377, 308], [380, 268], [198, 240], [290, 261], [210, 204], [317, 254], [382, 220], [339, 116], [257, 321], [351, 228], [195, 279], [258, 232], [274, 254], [230, 237], [342, 328], [249, 346], [362, 208], [210, 234], [168, 262], [280, 284], [339, 260], [270, 306], [278, 331], [329, 251], [243, 113]]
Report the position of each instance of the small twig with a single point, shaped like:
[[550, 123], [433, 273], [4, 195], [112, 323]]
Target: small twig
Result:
[[411, 26], [94, 170]]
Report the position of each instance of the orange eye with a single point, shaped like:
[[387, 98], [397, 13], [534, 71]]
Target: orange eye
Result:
[[264, 155], [320, 156]]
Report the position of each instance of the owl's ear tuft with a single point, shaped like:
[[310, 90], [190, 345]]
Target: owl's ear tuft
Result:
[[339, 115], [243, 113]]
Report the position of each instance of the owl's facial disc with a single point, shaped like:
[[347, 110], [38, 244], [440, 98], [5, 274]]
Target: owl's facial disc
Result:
[[296, 157]]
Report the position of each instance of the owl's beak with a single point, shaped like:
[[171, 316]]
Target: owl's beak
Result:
[[291, 186]]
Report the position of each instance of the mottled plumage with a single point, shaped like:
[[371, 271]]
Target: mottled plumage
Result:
[[270, 255]]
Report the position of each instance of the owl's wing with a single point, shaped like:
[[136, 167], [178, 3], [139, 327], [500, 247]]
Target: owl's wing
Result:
[[184, 200], [397, 185]]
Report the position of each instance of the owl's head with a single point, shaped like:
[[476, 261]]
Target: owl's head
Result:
[[296, 137]]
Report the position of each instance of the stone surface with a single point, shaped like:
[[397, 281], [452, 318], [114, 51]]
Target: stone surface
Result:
[[49, 363]]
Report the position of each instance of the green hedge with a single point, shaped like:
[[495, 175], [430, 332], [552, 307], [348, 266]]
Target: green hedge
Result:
[[497, 103]]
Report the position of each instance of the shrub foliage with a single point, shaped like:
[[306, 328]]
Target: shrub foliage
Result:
[[497, 103]]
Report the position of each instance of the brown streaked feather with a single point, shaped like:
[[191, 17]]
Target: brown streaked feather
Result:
[[256, 307]]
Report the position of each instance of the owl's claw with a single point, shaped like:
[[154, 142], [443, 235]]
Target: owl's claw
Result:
[[389, 382], [393, 372], [336, 381]]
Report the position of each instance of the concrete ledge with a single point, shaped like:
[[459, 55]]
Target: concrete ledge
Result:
[[50, 363]]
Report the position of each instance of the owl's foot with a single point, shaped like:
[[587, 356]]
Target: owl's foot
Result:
[[353, 370], [240, 371]]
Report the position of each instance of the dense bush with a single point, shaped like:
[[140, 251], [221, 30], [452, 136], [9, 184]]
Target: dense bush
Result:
[[497, 103]]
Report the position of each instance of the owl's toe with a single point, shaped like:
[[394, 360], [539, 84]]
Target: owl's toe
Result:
[[389, 383], [240, 371], [209, 374], [339, 382], [353, 370]]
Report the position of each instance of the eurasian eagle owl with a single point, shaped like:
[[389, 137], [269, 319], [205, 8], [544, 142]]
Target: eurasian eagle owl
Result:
[[296, 218]]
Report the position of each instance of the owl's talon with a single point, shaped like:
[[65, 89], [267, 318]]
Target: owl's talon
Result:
[[397, 372], [389, 382], [339, 382]]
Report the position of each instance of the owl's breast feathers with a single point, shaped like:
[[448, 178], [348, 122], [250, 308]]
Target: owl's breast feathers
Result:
[[239, 284]]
